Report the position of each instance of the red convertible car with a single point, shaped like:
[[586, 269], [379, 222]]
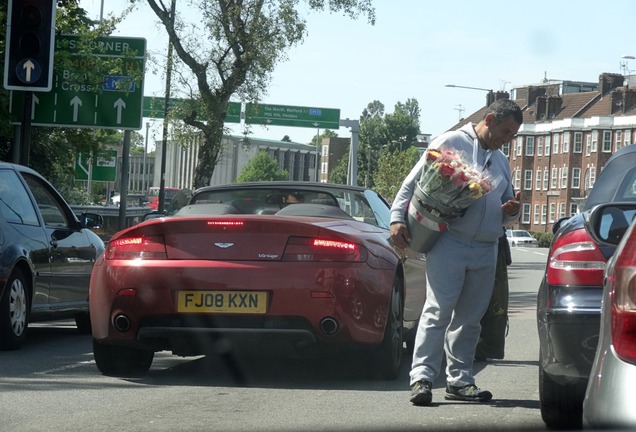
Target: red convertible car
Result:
[[280, 266]]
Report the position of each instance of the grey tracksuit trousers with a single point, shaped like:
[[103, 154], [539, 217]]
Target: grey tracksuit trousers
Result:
[[460, 280]]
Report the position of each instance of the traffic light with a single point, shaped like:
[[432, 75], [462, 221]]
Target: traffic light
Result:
[[28, 63]]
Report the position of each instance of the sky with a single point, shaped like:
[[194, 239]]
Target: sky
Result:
[[416, 48]]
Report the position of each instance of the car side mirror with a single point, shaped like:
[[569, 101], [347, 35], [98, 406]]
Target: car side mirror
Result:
[[607, 223]]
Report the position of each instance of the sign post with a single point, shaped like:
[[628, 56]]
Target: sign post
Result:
[[283, 115], [114, 102]]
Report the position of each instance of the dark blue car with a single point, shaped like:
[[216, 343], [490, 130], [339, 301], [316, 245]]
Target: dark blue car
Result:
[[571, 292], [46, 255]]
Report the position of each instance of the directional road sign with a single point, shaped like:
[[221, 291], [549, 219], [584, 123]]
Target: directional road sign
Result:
[[282, 115], [104, 169], [154, 108], [115, 102]]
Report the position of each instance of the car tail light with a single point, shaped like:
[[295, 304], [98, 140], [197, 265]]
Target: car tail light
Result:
[[576, 260], [623, 301], [323, 249], [136, 248]]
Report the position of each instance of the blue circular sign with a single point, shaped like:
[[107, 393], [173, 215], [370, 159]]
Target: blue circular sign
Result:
[[28, 70]]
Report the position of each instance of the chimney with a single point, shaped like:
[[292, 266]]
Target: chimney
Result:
[[553, 106], [534, 93], [542, 105], [617, 102], [629, 99], [495, 96], [609, 81]]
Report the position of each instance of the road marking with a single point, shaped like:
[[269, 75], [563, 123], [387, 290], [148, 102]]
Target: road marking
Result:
[[65, 367]]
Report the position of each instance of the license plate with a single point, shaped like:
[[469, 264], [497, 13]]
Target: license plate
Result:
[[222, 302]]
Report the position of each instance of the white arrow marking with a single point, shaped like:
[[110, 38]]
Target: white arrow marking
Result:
[[119, 105], [76, 102], [29, 66], [315, 124], [33, 103], [79, 164]]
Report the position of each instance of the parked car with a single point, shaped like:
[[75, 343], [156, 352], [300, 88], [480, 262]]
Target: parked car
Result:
[[520, 238], [570, 295], [243, 267], [608, 402], [46, 255]]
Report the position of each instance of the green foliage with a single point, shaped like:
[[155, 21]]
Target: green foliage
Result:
[[545, 238], [262, 167], [316, 140], [393, 168], [338, 175], [231, 51]]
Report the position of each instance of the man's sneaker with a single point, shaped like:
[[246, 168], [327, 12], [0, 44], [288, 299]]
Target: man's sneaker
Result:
[[421, 393], [469, 392]]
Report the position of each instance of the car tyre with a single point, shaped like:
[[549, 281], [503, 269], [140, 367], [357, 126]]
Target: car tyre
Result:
[[121, 361], [388, 358], [561, 405], [83, 323], [14, 312]]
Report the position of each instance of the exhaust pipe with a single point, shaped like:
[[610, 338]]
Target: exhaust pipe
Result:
[[328, 326], [121, 322]]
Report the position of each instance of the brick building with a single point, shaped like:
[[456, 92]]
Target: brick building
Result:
[[570, 130]]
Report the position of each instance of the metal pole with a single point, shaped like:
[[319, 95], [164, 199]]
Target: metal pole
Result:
[[144, 183], [164, 135]]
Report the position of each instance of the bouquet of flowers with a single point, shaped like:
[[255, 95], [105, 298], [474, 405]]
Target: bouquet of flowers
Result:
[[447, 186], [448, 180]]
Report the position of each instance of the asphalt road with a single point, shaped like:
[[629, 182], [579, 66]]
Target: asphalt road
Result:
[[52, 384]]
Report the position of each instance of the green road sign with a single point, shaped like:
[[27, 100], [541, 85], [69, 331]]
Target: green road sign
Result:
[[282, 115], [104, 168], [115, 102], [154, 108]]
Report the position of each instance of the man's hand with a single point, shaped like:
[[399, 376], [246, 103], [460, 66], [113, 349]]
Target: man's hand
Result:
[[511, 207], [400, 236]]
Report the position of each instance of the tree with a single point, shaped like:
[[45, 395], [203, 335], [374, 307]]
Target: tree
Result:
[[392, 169], [231, 52], [316, 140], [262, 167]]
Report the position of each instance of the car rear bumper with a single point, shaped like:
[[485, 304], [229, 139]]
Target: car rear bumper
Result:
[[606, 404]]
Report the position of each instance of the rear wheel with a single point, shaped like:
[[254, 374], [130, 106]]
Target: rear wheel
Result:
[[114, 360], [14, 312], [561, 404], [388, 358]]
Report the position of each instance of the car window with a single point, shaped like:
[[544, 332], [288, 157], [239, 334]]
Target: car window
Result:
[[51, 210], [15, 203], [627, 189]]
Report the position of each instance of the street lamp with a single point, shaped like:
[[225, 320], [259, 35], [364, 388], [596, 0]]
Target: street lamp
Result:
[[470, 88]]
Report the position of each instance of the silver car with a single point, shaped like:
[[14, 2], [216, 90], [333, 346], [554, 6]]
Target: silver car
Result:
[[608, 400]]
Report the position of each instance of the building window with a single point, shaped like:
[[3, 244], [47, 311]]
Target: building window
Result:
[[607, 141], [536, 214], [592, 175], [517, 178], [564, 177], [506, 149], [578, 142], [552, 212], [574, 209], [555, 144], [546, 147], [566, 142], [525, 215], [530, 146], [527, 180], [576, 178], [538, 180], [594, 141], [540, 146], [518, 147], [546, 179], [628, 137], [553, 178], [588, 145], [561, 210], [619, 140], [544, 213]]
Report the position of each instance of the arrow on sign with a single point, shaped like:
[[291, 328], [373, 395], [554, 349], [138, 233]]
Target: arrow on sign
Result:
[[79, 164], [33, 103], [28, 67], [76, 102], [119, 105]]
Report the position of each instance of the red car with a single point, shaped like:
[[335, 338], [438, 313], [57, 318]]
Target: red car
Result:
[[276, 265]]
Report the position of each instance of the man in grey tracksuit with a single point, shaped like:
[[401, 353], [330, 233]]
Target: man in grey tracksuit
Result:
[[461, 265]]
